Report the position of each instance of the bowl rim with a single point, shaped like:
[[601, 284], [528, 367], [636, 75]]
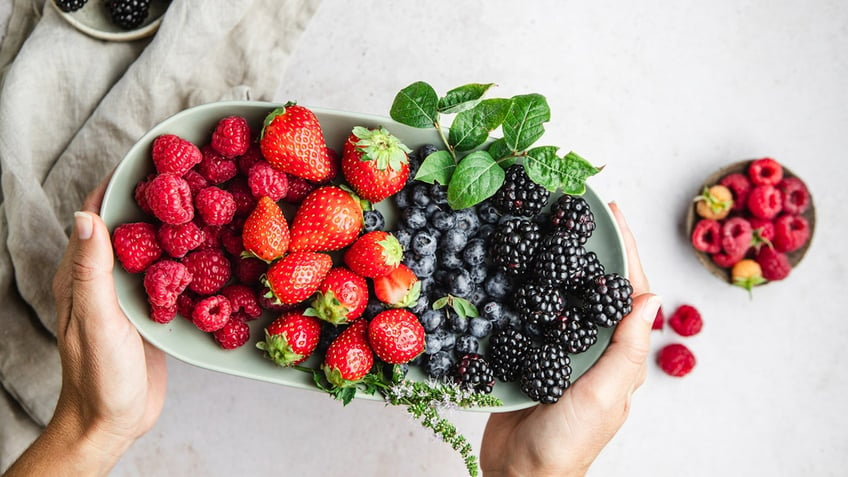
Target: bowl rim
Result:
[[142, 31]]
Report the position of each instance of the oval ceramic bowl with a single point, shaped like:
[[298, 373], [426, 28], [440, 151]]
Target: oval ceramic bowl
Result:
[[184, 341], [692, 218], [93, 20]]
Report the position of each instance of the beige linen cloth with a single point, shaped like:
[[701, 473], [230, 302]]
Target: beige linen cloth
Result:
[[70, 107]]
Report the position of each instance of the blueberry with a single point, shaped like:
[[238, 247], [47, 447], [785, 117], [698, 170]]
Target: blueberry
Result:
[[420, 194], [448, 339], [424, 243], [439, 365], [426, 150], [467, 221], [475, 252], [457, 324], [414, 218], [431, 209], [512, 318], [432, 343], [373, 220], [431, 320], [479, 327], [498, 285], [438, 194], [421, 305], [422, 266], [488, 213], [485, 232], [478, 273], [453, 240], [450, 261], [427, 284], [459, 283], [443, 220], [492, 311], [373, 307], [478, 296], [404, 236], [401, 198], [466, 344]]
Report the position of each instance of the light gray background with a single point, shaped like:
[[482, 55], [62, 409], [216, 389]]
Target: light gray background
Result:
[[663, 94]]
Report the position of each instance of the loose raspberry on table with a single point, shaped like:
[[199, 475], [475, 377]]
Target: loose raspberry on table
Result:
[[740, 186], [211, 313], [174, 154], [659, 320], [676, 359], [298, 189], [264, 180], [736, 236], [178, 240], [686, 320], [196, 181], [234, 334], [136, 246], [765, 202], [210, 269], [796, 197], [243, 298], [706, 236], [215, 206], [791, 232], [775, 265], [215, 167], [164, 281], [231, 137], [169, 197], [765, 171]]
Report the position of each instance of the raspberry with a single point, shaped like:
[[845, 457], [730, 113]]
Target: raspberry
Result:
[[234, 334], [740, 187], [715, 202], [686, 320], [136, 246], [706, 236], [765, 202], [163, 314], [245, 202], [796, 197], [196, 181], [676, 360], [186, 303], [215, 206], [659, 320], [210, 269], [249, 270], [765, 171], [139, 196], [215, 167], [231, 137], [264, 180], [791, 232], [725, 260], [775, 264], [169, 197], [164, 281], [174, 154], [736, 236], [242, 298], [249, 158], [178, 240], [231, 240], [299, 188], [211, 313], [763, 231], [211, 235]]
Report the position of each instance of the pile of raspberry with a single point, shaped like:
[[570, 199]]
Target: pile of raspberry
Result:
[[189, 248], [750, 221]]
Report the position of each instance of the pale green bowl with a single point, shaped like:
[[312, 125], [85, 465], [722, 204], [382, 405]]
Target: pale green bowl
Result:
[[182, 340]]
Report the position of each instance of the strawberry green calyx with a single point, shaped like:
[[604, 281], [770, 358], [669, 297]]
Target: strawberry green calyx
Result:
[[278, 350], [327, 307], [381, 146], [410, 298], [392, 250]]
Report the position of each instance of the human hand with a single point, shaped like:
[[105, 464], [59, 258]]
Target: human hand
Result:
[[113, 381], [563, 439]]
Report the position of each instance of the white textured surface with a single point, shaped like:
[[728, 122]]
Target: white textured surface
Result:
[[663, 93]]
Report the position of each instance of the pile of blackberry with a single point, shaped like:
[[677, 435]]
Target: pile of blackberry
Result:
[[541, 295]]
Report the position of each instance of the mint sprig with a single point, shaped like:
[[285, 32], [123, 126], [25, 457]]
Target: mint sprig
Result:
[[473, 163]]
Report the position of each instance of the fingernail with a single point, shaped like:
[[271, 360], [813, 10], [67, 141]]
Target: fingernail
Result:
[[652, 306], [84, 225]]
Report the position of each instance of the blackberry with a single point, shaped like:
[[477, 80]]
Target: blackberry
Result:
[[519, 195], [547, 373], [70, 5], [513, 245], [607, 299], [572, 214], [474, 374], [538, 305], [572, 331], [559, 258], [505, 353], [128, 14]]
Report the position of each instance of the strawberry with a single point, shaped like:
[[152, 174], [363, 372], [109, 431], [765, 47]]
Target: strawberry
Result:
[[396, 336], [375, 163], [291, 338], [374, 254], [266, 232], [398, 289], [297, 276], [714, 203], [348, 358], [292, 141], [341, 297], [329, 218]]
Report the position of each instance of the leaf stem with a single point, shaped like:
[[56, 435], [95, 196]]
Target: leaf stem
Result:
[[450, 148]]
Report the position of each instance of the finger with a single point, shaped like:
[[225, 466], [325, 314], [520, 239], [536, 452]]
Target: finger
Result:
[[634, 264]]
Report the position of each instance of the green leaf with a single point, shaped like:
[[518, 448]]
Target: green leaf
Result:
[[441, 302], [501, 153], [463, 98], [471, 128], [438, 166], [522, 126], [476, 178], [416, 106], [577, 170], [544, 167]]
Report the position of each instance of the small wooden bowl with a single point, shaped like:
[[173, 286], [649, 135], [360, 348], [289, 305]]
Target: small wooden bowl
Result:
[[692, 218]]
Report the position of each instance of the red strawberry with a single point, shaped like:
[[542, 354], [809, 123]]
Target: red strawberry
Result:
[[765, 171], [266, 232], [341, 297], [791, 232], [329, 218], [706, 236], [398, 289], [375, 163], [396, 336], [292, 141], [374, 254], [348, 358], [297, 276], [765, 202], [291, 338]]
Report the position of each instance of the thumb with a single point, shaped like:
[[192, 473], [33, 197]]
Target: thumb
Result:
[[92, 260]]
